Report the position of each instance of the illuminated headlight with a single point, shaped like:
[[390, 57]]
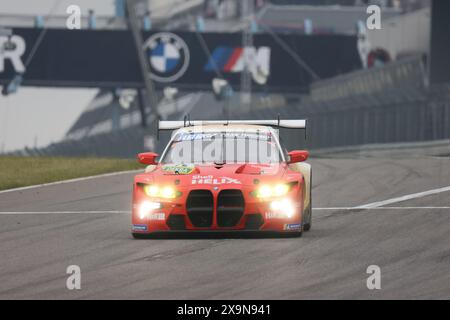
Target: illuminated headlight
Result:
[[151, 191], [264, 192], [168, 193], [154, 191], [277, 190], [147, 207], [284, 207], [280, 189]]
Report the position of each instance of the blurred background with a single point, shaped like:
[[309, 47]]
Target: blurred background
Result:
[[87, 92]]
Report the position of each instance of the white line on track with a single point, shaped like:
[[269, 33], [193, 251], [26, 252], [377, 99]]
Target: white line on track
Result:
[[71, 180], [403, 198]]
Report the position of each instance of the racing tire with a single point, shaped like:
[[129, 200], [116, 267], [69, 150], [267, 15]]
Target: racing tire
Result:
[[307, 225]]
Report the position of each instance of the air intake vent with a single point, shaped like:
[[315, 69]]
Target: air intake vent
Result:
[[200, 208], [176, 222], [230, 208], [254, 221]]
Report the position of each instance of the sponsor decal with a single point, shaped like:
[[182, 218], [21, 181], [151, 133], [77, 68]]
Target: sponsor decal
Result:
[[198, 179], [160, 216], [231, 59], [274, 215], [139, 227], [209, 136], [293, 226], [178, 169], [192, 136], [168, 55]]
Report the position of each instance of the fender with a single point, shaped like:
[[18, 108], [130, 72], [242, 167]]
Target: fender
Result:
[[305, 169]]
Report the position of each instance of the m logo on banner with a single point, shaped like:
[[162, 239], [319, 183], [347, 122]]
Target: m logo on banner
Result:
[[234, 59]]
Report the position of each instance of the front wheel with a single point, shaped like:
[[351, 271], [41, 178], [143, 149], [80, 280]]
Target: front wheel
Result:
[[308, 212], [308, 222]]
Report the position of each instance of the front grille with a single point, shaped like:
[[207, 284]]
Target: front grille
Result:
[[230, 207], [200, 208], [176, 222]]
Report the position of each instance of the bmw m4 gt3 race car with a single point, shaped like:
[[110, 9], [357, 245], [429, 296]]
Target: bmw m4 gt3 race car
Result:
[[223, 176]]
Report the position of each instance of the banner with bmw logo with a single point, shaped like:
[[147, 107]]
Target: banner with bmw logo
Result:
[[190, 61]]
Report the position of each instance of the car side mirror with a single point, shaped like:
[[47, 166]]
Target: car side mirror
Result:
[[298, 156], [148, 158]]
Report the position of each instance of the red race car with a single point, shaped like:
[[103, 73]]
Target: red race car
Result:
[[223, 176]]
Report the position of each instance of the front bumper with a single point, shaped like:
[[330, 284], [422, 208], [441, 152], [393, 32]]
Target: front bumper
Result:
[[226, 210]]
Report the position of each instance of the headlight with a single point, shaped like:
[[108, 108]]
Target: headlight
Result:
[[151, 191], [168, 193], [285, 206], [154, 191], [277, 190], [146, 207], [281, 189], [264, 192]]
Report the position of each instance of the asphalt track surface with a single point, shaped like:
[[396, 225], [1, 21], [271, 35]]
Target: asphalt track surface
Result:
[[87, 223]]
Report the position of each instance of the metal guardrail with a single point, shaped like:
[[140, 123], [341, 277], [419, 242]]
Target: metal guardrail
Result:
[[395, 106]]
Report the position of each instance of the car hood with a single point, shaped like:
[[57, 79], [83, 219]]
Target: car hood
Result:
[[213, 174]]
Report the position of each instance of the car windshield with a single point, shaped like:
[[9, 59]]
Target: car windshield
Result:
[[223, 147]]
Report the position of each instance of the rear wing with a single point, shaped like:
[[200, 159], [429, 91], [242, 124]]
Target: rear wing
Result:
[[289, 124], [277, 123]]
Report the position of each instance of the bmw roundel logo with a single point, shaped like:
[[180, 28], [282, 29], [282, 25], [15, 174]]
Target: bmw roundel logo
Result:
[[168, 55]]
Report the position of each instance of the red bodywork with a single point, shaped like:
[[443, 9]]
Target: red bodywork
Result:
[[227, 209]]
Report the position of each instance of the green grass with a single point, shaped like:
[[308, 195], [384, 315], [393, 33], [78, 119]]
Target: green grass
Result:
[[26, 171]]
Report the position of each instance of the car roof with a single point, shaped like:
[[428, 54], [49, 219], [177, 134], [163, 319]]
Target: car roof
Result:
[[249, 128]]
